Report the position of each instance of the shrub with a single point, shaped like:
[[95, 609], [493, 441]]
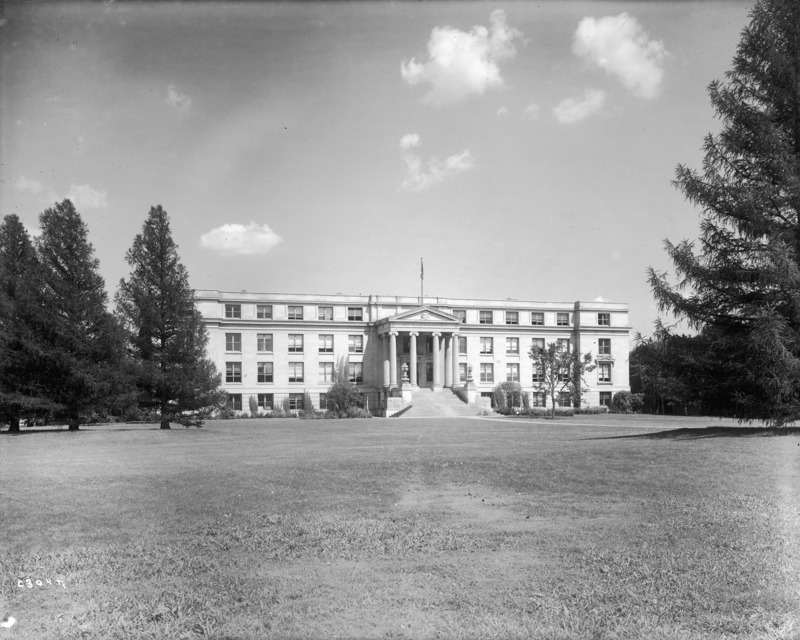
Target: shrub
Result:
[[342, 397], [510, 395], [286, 406], [253, 402], [591, 411], [357, 412], [627, 402], [226, 414], [544, 412]]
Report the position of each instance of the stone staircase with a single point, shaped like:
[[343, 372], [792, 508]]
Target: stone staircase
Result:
[[443, 404]]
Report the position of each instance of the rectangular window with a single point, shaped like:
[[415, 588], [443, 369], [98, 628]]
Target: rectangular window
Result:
[[487, 372], [325, 313], [563, 375], [323, 401], [295, 343], [355, 371], [461, 314], [326, 343], [564, 399], [512, 372], [562, 319], [537, 399], [234, 401], [264, 311], [538, 374], [605, 398], [563, 344], [604, 319], [355, 314], [355, 344], [266, 401], [512, 317], [326, 372], [487, 345], [233, 311], [537, 318], [233, 372], [604, 372], [296, 401], [233, 342], [295, 372], [428, 344], [295, 312], [512, 345], [462, 371], [406, 344], [604, 346], [485, 317], [462, 345], [264, 342], [538, 345], [264, 372]]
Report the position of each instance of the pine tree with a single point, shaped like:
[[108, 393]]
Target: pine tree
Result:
[[746, 276], [165, 332], [80, 354]]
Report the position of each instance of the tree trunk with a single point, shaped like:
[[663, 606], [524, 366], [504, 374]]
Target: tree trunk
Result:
[[13, 425], [164, 423]]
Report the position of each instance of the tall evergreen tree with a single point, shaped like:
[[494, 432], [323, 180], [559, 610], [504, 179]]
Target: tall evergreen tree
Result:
[[744, 285], [165, 331], [80, 343]]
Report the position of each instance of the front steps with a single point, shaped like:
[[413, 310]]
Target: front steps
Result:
[[443, 404]]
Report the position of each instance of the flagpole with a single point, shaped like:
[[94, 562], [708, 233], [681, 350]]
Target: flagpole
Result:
[[421, 282]]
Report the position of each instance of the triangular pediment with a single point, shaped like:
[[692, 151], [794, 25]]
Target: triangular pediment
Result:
[[422, 315]]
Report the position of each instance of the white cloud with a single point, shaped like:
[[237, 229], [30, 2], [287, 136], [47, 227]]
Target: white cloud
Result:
[[462, 63], [599, 299], [84, 197], [532, 111], [29, 185], [178, 100], [419, 177], [620, 46], [572, 110], [238, 239], [502, 111]]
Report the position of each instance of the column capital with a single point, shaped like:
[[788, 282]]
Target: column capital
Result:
[[436, 334], [456, 335], [413, 333], [394, 333]]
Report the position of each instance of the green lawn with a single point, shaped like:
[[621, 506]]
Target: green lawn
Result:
[[406, 528]]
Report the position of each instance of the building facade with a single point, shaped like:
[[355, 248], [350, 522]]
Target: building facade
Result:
[[271, 347]]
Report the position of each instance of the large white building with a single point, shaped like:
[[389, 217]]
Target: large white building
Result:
[[271, 346]]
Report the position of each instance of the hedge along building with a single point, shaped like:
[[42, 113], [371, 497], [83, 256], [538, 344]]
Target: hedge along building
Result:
[[272, 346]]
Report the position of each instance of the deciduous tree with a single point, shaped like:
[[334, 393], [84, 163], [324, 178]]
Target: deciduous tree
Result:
[[559, 370]]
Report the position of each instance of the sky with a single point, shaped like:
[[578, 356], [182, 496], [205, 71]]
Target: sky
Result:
[[524, 150]]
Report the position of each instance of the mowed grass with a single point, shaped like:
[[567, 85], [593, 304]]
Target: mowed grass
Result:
[[452, 528]]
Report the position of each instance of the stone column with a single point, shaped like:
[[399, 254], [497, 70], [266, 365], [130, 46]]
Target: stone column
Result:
[[437, 363], [456, 380], [393, 359], [413, 352], [448, 361], [385, 343]]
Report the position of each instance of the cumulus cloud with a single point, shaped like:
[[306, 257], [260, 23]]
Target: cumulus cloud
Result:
[[532, 111], [178, 100], [621, 47], [502, 111], [239, 239], [573, 110], [29, 185], [463, 63], [84, 197], [599, 299], [420, 176]]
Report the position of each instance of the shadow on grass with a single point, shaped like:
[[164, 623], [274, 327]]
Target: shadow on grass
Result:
[[83, 429], [711, 432]]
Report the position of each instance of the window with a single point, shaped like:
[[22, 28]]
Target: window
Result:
[[233, 372], [538, 345], [462, 371], [233, 311], [266, 401], [538, 374], [323, 401], [563, 375], [512, 372], [355, 344], [355, 314], [326, 372], [264, 311], [264, 372], [512, 317], [295, 372], [356, 372], [296, 401], [326, 343], [487, 372], [604, 319], [487, 345], [295, 343], [234, 401], [604, 346], [462, 345], [264, 342], [537, 398], [563, 344], [605, 398], [325, 313], [537, 318], [461, 314], [562, 319], [512, 345], [406, 340], [485, 317], [428, 344], [233, 342], [564, 399], [295, 312], [604, 372]]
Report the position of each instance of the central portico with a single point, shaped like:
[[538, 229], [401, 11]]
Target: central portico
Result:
[[426, 340]]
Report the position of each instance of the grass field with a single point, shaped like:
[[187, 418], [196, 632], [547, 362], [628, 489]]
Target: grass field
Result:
[[450, 528]]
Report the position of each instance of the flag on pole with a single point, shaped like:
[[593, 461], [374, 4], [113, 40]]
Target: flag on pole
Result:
[[421, 270]]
